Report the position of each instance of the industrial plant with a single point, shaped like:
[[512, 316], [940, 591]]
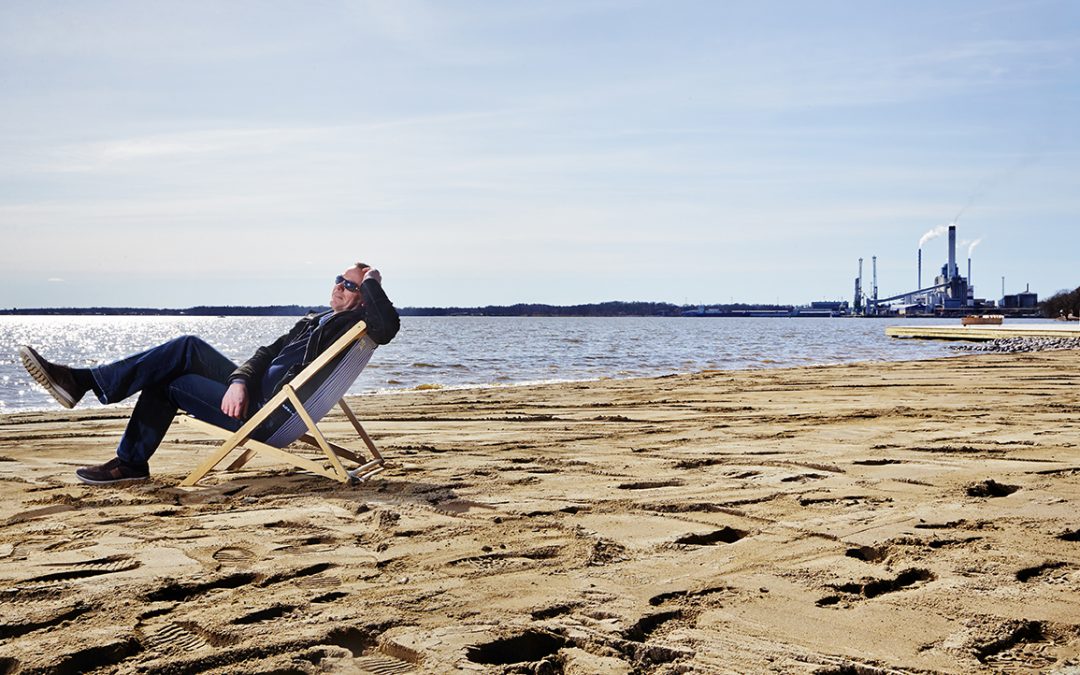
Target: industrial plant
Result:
[[950, 294]]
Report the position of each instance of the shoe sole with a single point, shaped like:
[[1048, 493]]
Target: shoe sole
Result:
[[37, 371], [91, 481]]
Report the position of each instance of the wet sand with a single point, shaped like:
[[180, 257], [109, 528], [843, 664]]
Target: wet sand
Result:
[[870, 518]]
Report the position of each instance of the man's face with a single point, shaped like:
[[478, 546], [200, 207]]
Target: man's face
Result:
[[342, 299]]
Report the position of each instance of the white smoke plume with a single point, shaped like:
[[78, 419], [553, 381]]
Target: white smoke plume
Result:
[[933, 234], [970, 201], [971, 248], [992, 181]]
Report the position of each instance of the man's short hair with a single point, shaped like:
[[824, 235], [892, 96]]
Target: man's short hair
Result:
[[361, 265]]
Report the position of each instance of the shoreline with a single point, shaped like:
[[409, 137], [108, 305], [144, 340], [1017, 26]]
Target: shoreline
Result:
[[525, 352], [89, 403], [888, 516], [422, 388]]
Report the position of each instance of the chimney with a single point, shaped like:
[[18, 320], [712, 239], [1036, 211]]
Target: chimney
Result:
[[951, 270], [874, 259], [858, 288], [918, 285]]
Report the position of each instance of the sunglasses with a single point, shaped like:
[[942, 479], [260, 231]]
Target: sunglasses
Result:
[[350, 286]]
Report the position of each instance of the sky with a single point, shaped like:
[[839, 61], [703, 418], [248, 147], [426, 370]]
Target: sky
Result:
[[173, 154]]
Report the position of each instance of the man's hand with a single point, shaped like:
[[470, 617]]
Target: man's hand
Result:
[[371, 273], [235, 402]]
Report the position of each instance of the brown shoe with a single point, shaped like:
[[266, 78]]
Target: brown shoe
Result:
[[115, 470], [57, 380]]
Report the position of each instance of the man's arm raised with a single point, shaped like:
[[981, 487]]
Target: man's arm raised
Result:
[[380, 315]]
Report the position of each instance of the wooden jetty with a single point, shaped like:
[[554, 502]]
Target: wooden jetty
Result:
[[981, 333]]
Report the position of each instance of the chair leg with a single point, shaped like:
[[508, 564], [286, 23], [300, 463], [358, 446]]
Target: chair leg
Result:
[[210, 462], [240, 461], [360, 430], [314, 429], [298, 461], [339, 450], [237, 438], [377, 463], [366, 471]]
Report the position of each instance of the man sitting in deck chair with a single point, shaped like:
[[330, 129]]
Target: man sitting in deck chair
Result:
[[187, 373]]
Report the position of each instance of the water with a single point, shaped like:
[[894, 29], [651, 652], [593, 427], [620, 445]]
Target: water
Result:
[[478, 351]]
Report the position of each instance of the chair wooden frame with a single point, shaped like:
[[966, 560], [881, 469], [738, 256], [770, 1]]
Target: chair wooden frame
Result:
[[288, 394]]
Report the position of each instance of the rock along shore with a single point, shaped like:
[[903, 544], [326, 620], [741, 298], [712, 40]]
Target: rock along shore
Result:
[[1014, 345]]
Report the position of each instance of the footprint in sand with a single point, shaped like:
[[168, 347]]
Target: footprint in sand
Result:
[[1072, 535], [38, 620], [1025, 646], [233, 555], [268, 614], [869, 554], [1029, 573], [532, 645], [509, 561], [383, 665], [725, 535], [82, 570], [76, 540], [872, 588], [328, 597], [172, 637], [318, 581]]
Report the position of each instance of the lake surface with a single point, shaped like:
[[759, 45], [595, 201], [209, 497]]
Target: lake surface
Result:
[[478, 351]]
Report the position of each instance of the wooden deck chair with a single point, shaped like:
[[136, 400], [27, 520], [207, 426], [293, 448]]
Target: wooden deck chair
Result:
[[354, 349]]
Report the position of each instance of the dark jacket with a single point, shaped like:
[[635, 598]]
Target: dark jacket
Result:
[[377, 311]]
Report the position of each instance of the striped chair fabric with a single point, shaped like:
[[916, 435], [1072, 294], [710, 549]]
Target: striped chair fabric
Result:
[[326, 396]]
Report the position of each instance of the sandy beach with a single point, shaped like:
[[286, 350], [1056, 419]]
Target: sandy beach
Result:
[[868, 518]]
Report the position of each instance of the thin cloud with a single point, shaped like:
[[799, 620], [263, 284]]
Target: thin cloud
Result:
[[106, 155], [569, 130]]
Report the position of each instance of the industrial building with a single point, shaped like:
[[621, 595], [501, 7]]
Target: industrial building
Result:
[[950, 294]]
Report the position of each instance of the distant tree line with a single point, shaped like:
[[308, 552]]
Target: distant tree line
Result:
[[613, 308], [1062, 303]]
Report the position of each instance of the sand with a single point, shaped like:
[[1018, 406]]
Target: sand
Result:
[[870, 518]]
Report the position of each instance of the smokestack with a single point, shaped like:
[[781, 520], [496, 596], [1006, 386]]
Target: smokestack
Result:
[[858, 288], [952, 252], [918, 284], [874, 260], [969, 272]]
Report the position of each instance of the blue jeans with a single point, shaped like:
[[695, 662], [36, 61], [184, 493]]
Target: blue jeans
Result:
[[185, 373]]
